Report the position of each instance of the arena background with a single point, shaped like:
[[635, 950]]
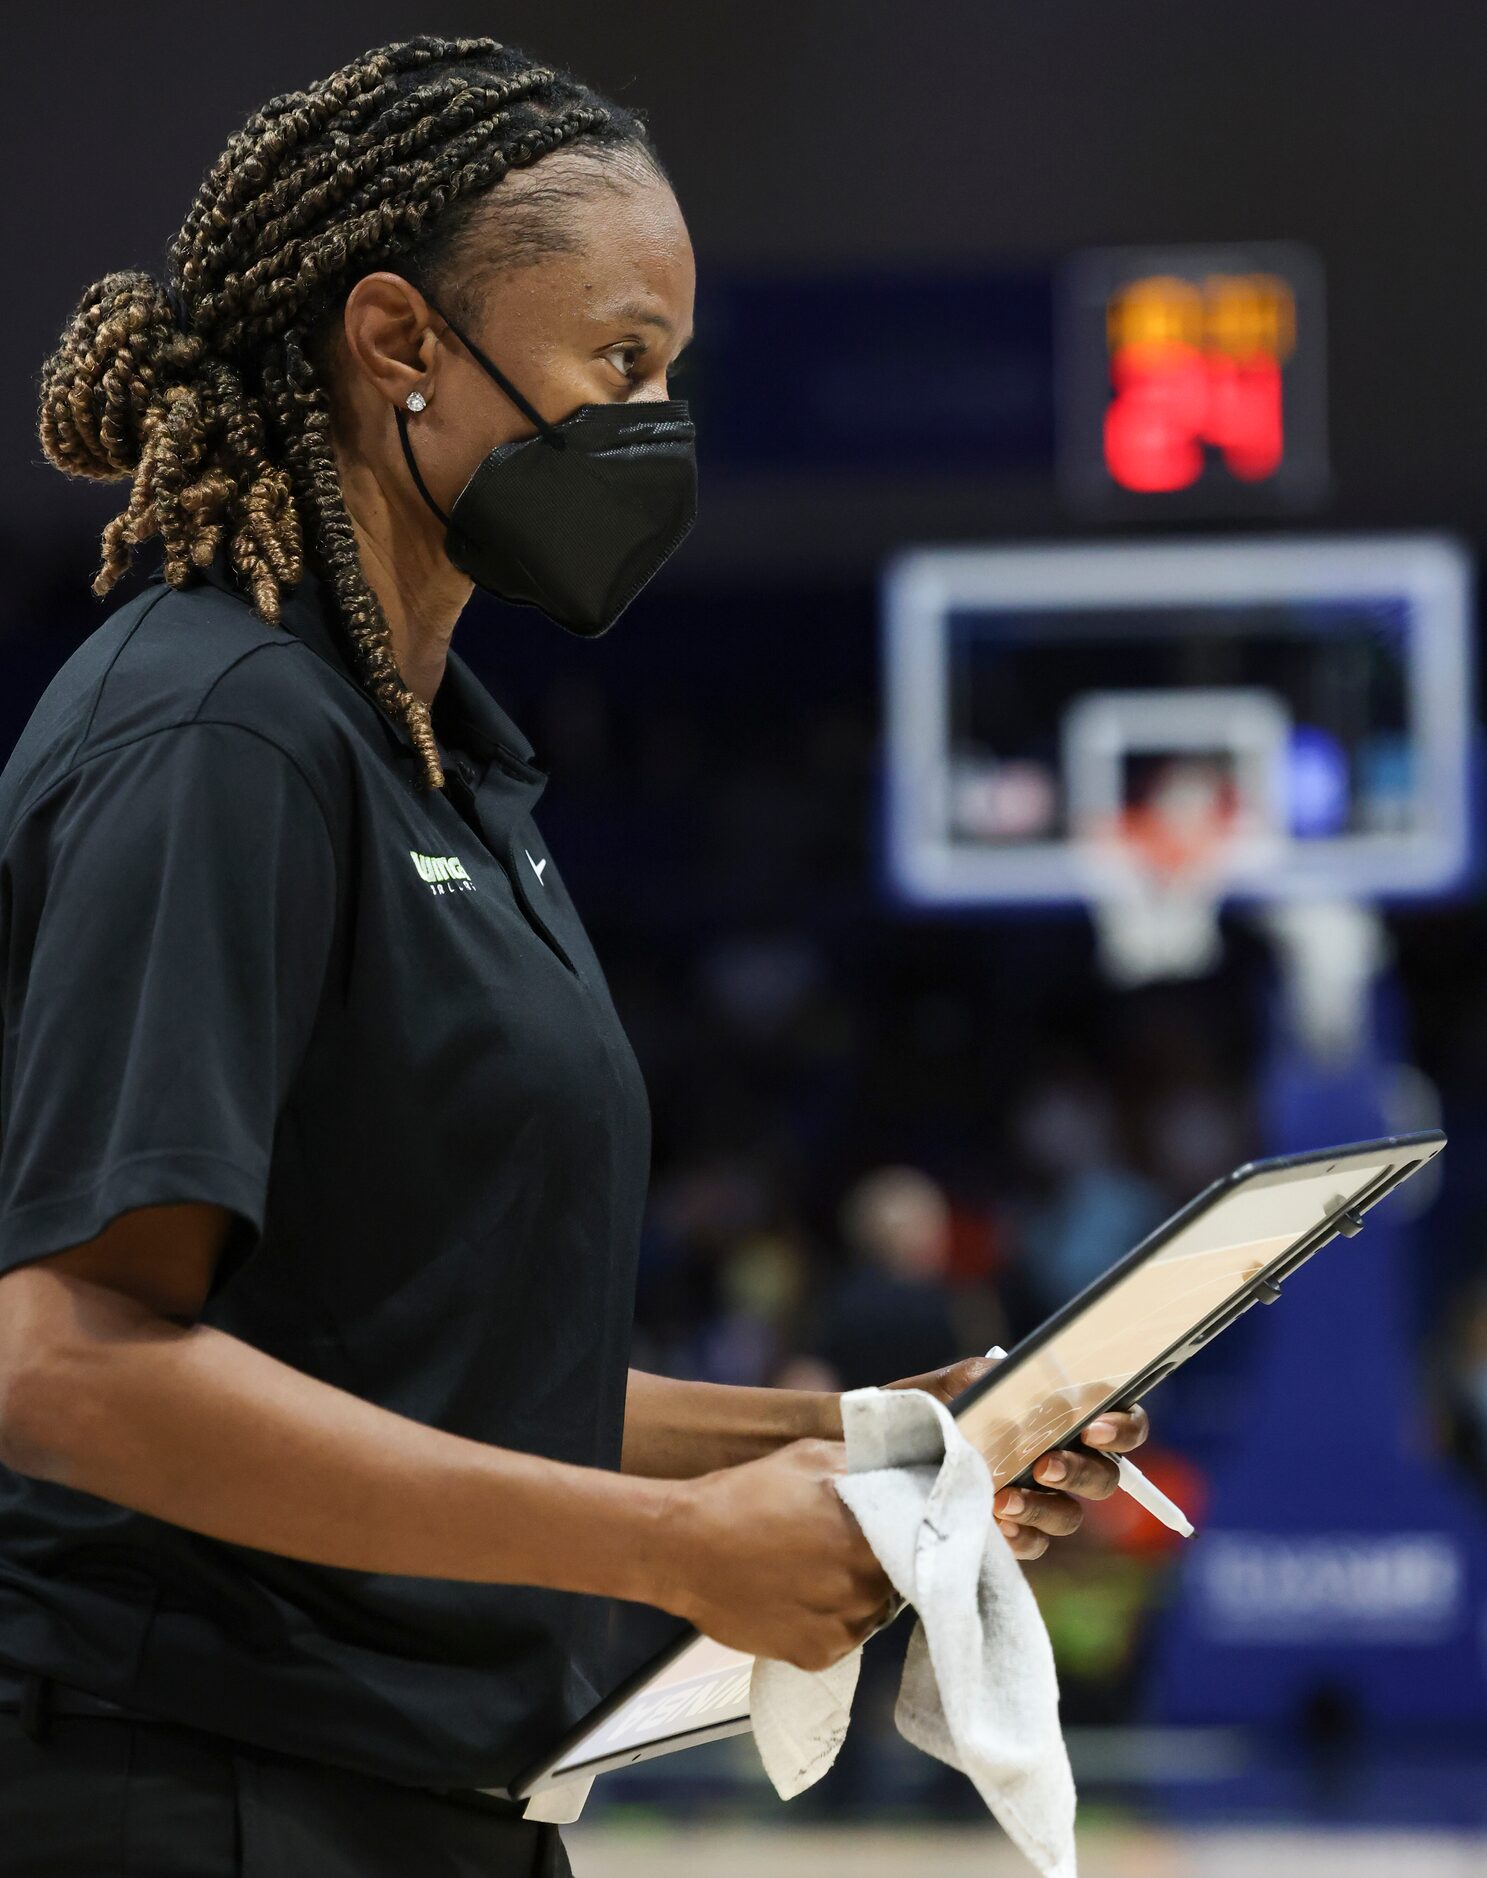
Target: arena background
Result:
[[716, 764]]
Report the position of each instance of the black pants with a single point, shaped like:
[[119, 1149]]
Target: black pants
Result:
[[94, 1796]]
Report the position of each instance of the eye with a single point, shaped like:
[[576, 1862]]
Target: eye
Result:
[[631, 353]]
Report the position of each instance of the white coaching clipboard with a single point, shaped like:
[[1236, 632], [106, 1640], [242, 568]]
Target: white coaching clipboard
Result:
[[1236, 1245]]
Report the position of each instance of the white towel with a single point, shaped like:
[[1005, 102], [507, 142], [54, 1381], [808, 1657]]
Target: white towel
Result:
[[979, 1689]]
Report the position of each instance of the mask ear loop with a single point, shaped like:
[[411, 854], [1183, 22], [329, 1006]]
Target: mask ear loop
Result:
[[399, 414], [413, 466], [546, 430]]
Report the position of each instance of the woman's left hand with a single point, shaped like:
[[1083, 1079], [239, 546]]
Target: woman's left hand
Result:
[[1029, 1518]]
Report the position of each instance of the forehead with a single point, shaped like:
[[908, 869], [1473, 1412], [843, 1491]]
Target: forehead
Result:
[[629, 251]]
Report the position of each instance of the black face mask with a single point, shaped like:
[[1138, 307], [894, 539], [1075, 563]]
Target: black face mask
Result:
[[576, 519]]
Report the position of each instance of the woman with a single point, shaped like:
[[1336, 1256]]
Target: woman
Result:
[[324, 1152]]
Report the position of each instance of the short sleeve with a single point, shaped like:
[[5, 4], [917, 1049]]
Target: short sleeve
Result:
[[167, 914]]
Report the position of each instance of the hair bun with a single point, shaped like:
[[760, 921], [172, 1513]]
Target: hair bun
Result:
[[121, 348]]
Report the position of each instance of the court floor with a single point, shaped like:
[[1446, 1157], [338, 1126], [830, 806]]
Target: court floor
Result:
[[602, 1851]]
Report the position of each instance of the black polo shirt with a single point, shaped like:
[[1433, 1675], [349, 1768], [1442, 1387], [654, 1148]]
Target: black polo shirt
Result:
[[246, 958]]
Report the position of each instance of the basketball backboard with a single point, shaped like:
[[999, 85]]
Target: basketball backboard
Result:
[[1292, 713]]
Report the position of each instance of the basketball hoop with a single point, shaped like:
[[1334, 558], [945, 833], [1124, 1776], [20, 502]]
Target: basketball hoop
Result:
[[1157, 875], [1171, 797]]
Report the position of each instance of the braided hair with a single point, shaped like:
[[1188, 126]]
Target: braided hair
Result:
[[211, 390]]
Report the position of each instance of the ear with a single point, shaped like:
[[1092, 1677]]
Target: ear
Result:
[[389, 335]]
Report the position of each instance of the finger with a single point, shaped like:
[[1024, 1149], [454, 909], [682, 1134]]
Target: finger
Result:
[[1024, 1543], [881, 1616], [953, 1380], [1118, 1431], [1055, 1513], [859, 1629], [1091, 1476]]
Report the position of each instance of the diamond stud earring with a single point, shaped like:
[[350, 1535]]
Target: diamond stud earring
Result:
[[415, 400]]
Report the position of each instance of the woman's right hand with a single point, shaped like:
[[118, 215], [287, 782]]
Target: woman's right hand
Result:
[[765, 1557]]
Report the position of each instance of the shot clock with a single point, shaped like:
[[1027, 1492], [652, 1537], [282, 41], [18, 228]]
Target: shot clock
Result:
[[1192, 381]]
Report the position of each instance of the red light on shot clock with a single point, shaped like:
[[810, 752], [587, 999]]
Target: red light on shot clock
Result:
[[1192, 380], [1157, 417], [1195, 368]]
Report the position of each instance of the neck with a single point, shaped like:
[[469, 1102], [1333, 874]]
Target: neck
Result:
[[420, 591]]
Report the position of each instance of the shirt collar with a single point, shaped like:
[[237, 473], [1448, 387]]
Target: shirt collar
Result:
[[464, 714]]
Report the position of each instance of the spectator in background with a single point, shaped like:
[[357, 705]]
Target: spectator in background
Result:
[[891, 1314], [1195, 1133], [760, 1287], [1085, 1207]]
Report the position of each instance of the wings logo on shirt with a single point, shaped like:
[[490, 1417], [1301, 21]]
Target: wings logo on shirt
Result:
[[445, 873]]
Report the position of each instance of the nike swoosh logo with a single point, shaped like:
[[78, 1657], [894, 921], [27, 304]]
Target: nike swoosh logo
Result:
[[537, 866]]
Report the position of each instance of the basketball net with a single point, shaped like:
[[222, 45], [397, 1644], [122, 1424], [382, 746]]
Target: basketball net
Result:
[[1158, 872]]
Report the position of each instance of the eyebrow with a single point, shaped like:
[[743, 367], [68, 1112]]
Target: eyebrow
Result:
[[634, 311]]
